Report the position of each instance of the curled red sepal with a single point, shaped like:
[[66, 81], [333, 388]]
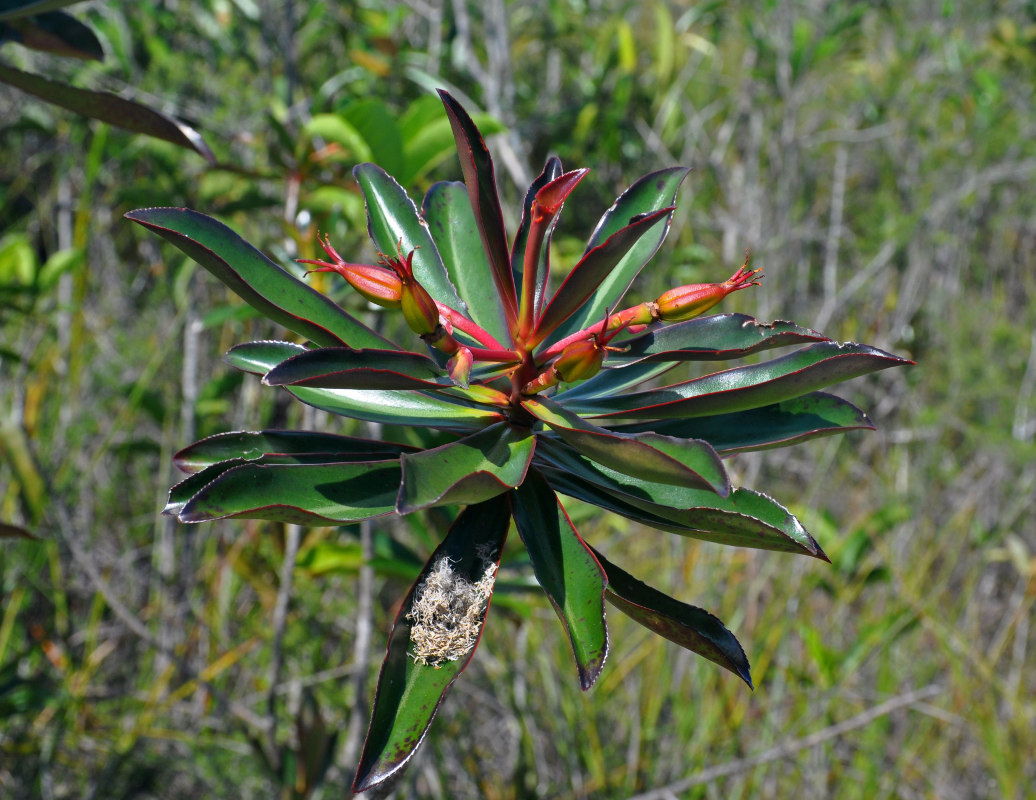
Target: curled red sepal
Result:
[[419, 309]]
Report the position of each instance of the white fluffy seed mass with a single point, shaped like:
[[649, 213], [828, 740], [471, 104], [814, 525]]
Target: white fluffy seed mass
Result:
[[447, 612]]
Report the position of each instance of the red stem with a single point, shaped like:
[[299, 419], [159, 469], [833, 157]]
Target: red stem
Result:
[[462, 323]]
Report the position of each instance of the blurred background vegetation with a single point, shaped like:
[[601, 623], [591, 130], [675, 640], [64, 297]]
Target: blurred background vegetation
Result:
[[878, 161]]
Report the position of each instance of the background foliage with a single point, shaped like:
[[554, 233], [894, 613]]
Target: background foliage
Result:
[[876, 160]]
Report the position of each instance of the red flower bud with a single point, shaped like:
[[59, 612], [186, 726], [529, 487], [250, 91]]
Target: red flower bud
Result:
[[689, 301], [377, 284]]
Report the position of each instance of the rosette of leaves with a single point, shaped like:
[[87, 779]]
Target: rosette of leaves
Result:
[[535, 394]]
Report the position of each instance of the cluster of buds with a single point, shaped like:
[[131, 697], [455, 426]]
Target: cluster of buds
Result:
[[391, 284], [579, 360], [581, 355]]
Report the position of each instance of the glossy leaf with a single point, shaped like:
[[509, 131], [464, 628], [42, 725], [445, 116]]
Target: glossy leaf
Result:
[[722, 336], [587, 276], [743, 519], [409, 693], [395, 226], [688, 463], [346, 368], [447, 211], [388, 406], [742, 388], [614, 381], [651, 193], [256, 279], [469, 470], [688, 626], [13, 9], [567, 570], [480, 178], [300, 493], [779, 425], [109, 108], [55, 32], [253, 445]]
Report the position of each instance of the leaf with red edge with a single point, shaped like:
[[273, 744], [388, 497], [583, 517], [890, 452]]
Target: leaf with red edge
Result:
[[721, 336], [480, 178], [742, 388], [688, 626], [253, 445], [688, 463], [743, 519], [587, 276], [13, 9], [9, 531], [779, 425], [346, 368], [469, 470], [389, 406], [55, 32], [409, 693], [306, 494], [256, 279], [109, 108], [567, 570]]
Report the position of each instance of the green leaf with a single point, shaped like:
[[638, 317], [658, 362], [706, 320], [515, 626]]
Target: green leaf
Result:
[[594, 267], [567, 570], [651, 193], [747, 387], [108, 108], [743, 519], [346, 368], [394, 225], [305, 494], [409, 693], [452, 224], [376, 124], [779, 425], [261, 283], [334, 129], [614, 381], [688, 463], [13, 9], [688, 626], [391, 407], [480, 178], [469, 470], [253, 445], [55, 32], [722, 336]]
